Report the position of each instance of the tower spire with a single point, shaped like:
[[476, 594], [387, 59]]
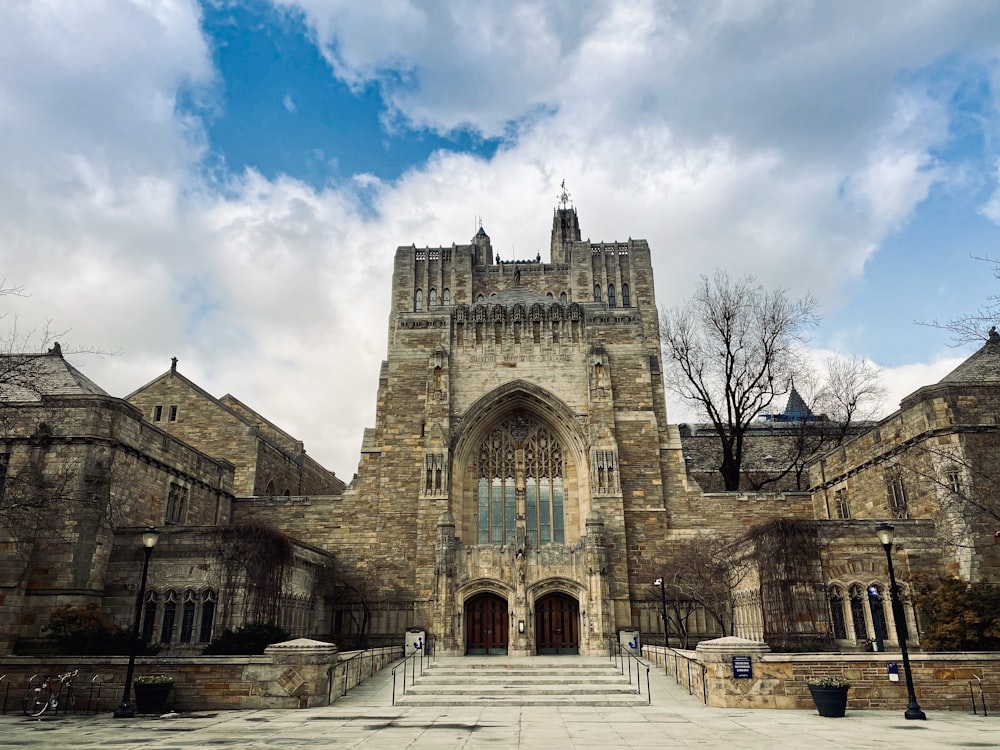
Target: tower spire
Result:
[[565, 228]]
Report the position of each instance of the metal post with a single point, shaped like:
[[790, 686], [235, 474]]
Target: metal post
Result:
[[913, 710], [662, 583], [125, 709]]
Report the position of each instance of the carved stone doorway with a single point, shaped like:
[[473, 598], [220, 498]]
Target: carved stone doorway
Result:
[[557, 625], [487, 625]]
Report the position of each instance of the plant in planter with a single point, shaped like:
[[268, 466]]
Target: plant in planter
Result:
[[829, 694], [151, 692]]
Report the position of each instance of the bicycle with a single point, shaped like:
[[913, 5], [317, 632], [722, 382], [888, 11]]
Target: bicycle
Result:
[[48, 693]]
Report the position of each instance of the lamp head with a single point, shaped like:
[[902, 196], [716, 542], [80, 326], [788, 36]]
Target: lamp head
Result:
[[658, 582], [149, 537], [884, 532]]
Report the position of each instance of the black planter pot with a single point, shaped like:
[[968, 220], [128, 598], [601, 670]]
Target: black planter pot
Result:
[[830, 701], [152, 698]]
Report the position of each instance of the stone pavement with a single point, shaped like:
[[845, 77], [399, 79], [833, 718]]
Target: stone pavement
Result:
[[366, 719]]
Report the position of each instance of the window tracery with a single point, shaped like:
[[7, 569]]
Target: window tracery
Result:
[[520, 465]]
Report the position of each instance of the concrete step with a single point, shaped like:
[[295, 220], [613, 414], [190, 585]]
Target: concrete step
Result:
[[524, 681]]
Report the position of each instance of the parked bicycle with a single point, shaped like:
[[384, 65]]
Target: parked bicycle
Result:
[[52, 691]]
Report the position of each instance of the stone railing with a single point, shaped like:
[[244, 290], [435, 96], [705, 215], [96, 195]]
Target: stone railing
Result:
[[942, 681], [302, 673]]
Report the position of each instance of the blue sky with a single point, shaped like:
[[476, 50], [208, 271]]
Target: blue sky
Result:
[[227, 182]]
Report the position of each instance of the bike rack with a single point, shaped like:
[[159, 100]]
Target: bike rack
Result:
[[982, 696], [90, 697]]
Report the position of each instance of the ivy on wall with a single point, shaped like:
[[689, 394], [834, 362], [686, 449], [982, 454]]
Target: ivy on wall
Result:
[[255, 559]]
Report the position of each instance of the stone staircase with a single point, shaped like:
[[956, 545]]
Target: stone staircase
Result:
[[522, 681]]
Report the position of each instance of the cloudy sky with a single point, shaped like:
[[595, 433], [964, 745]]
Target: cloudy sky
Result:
[[226, 182]]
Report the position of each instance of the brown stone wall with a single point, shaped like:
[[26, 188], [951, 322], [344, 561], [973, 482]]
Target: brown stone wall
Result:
[[941, 681], [106, 467]]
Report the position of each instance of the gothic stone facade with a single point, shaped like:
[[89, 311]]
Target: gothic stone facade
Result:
[[517, 476]]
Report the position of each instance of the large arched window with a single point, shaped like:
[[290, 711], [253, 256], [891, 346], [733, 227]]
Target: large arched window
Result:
[[611, 295], [597, 292], [518, 453], [626, 300], [418, 300]]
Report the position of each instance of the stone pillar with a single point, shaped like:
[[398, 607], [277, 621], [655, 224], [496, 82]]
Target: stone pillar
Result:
[[298, 676], [726, 691]]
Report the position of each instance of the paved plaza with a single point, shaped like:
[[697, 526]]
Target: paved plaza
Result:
[[366, 719]]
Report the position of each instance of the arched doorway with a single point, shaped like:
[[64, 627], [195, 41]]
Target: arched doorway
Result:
[[486, 625], [557, 625]]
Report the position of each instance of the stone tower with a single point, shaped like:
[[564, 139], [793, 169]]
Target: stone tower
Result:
[[520, 453]]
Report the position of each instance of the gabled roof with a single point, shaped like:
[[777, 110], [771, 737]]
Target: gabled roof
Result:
[[981, 367], [29, 377]]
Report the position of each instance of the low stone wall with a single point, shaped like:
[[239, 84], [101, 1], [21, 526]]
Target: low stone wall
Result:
[[298, 674], [941, 680]]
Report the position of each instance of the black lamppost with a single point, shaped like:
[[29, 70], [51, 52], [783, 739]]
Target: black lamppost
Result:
[[126, 710], [884, 531], [663, 600]]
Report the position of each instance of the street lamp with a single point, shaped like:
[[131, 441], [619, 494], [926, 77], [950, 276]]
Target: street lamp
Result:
[[884, 532], [126, 710], [663, 600]]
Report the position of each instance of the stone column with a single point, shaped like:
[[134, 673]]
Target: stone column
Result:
[[722, 687]]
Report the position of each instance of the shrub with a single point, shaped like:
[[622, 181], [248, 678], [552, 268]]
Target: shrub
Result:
[[248, 639], [829, 681], [153, 679], [958, 616], [82, 631]]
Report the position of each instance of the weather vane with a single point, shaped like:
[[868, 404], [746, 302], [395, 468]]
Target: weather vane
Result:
[[564, 196]]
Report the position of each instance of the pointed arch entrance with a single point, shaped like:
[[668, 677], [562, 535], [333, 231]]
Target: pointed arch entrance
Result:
[[486, 625], [557, 625]]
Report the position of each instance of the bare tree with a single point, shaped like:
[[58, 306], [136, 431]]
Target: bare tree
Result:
[[973, 326], [732, 349], [846, 394], [703, 572]]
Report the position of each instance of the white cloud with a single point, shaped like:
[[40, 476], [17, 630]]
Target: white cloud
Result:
[[764, 137]]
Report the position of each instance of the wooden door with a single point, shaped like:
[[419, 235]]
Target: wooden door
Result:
[[557, 625], [486, 625]]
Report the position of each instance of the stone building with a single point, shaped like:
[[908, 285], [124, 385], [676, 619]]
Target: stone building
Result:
[[267, 460], [933, 462], [519, 492], [81, 474], [513, 493]]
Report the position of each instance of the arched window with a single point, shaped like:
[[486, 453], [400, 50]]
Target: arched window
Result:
[[611, 295], [540, 474], [548, 295], [597, 292], [208, 599], [479, 298], [432, 298], [562, 298], [187, 616], [446, 297], [858, 613], [269, 490], [626, 302], [149, 616], [837, 612], [169, 617], [877, 604], [418, 300]]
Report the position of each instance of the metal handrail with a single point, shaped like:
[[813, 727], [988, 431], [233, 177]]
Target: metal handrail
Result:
[[422, 651], [361, 655], [622, 656]]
